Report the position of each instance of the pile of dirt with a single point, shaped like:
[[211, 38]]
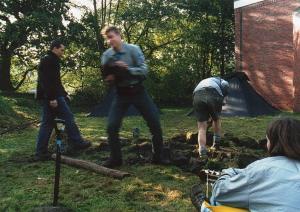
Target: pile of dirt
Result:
[[182, 150]]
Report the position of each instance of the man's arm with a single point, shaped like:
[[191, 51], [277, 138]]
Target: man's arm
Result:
[[107, 69], [140, 68], [232, 188], [48, 79], [224, 87]]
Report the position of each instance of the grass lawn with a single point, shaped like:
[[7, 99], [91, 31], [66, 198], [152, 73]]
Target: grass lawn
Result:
[[26, 185]]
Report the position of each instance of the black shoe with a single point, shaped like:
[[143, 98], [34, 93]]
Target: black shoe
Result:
[[81, 145], [41, 157], [203, 153], [112, 162], [197, 196], [160, 161]]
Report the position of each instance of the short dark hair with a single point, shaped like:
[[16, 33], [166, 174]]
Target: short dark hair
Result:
[[284, 137], [55, 44], [109, 29]]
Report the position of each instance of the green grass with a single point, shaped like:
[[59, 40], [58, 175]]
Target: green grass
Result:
[[15, 110], [27, 185], [150, 188]]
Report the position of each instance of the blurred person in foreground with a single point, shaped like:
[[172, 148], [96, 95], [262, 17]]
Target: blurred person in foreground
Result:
[[269, 184]]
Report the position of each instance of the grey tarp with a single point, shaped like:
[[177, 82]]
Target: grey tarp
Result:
[[102, 109], [243, 100]]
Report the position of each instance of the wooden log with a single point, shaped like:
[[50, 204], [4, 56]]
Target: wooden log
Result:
[[92, 167], [19, 127]]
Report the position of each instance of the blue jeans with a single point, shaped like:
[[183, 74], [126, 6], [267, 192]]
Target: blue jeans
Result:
[[148, 110], [62, 111]]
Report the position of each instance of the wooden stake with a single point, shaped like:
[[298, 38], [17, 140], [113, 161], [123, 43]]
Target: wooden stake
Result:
[[92, 167]]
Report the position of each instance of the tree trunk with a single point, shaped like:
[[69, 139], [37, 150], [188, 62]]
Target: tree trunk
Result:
[[5, 64], [93, 167], [100, 43], [222, 45]]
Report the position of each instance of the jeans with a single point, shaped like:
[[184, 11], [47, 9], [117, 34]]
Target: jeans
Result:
[[148, 110], [62, 111]]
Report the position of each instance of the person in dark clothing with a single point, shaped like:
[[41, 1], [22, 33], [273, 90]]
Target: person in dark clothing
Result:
[[124, 66], [53, 95]]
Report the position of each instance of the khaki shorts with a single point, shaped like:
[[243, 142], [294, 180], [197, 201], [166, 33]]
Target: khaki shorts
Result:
[[207, 103]]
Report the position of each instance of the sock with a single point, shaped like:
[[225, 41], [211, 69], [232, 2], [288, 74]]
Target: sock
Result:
[[216, 138], [201, 148]]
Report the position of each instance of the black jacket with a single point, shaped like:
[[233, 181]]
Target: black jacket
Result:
[[49, 82]]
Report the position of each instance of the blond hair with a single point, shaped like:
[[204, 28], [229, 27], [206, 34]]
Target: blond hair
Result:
[[109, 29]]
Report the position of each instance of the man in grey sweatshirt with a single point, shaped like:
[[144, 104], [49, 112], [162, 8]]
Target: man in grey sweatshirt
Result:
[[124, 66]]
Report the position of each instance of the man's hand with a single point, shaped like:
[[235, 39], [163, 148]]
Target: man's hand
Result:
[[53, 103], [122, 65], [110, 79], [68, 98]]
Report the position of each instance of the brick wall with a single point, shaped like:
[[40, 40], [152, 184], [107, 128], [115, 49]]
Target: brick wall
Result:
[[265, 50], [296, 80]]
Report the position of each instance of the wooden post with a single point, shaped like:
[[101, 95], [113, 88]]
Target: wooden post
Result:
[[92, 167]]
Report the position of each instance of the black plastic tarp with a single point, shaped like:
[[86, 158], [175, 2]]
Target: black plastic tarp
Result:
[[102, 109], [243, 100]]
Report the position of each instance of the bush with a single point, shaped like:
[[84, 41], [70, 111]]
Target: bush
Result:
[[89, 96], [171, 89], [5, 107], [8, 116]]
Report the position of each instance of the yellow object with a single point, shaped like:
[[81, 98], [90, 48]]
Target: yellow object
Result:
[[222, 208]]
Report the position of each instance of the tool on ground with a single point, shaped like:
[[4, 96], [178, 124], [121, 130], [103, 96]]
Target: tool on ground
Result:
[[59, 130]]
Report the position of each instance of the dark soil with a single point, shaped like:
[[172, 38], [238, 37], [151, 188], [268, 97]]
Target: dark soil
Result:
[[182, 150]]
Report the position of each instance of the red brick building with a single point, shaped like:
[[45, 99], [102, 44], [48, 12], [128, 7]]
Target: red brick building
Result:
[[268, 49]]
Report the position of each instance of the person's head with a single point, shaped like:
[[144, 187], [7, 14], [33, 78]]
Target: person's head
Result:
[[113, 36], [224, 87], [283, 137], [57, 48]]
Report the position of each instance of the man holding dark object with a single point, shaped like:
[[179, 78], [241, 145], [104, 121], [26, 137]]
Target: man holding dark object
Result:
[[124, 66]]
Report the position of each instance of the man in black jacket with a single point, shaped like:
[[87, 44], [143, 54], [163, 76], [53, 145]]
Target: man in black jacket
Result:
[[54, 96]]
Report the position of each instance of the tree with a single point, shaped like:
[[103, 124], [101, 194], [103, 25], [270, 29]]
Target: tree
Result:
[[212, 30], [24, 26]]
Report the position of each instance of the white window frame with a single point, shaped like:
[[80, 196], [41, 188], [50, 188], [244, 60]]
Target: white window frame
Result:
[[243, 3]]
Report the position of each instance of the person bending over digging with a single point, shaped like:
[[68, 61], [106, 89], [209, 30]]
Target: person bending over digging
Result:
[[208, 99], [269, 184]]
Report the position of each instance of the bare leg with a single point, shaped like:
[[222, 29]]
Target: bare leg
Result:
[[217, 134], [217, 127], [202, 127]]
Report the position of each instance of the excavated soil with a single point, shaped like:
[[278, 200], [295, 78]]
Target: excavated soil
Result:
[[182, 151]]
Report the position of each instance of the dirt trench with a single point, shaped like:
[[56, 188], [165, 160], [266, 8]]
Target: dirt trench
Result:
[[182, 151]]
